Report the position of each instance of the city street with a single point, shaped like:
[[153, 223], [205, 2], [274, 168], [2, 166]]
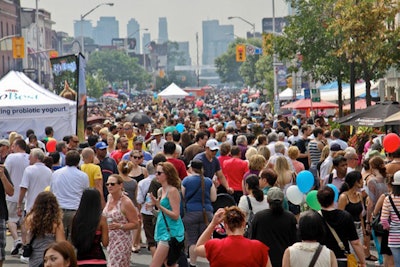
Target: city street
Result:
[[141, 259]]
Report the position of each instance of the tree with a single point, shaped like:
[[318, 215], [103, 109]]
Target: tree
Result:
[[307, 36], [227, 67], [368, 36], [116, 66], [95, 84]]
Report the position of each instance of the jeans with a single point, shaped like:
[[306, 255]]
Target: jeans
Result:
[[396, 256]]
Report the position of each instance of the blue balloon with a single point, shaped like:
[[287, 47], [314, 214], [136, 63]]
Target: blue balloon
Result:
[[180, 128], [305, 181], [336, 190]]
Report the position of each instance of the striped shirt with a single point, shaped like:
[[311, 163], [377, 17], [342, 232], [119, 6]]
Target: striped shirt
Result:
[[388, 214], [315, 153]]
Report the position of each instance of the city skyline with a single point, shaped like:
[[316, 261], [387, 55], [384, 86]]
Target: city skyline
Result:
[[184, 17]]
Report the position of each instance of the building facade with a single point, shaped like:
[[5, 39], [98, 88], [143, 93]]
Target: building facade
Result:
[[107, 28]]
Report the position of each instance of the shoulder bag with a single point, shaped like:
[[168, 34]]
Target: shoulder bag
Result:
[[247, 231], [351, 259], [175, 247], [394, 207], [27, 248], [376, 223], [316, 255]]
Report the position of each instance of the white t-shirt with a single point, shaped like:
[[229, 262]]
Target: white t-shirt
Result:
[[257, 206], [15, 164]]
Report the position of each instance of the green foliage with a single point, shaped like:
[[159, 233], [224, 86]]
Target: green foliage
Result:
[[95, 84], [116, 66]]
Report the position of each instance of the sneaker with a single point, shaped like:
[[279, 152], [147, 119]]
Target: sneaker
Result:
[[16, 247], [23, 259]]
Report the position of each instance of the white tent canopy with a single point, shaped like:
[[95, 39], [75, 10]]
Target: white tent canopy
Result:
[[26, 105], [173, 92], [332, 94]]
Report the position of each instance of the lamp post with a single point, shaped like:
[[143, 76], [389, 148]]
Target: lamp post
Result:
[[253, 25], [82, 19], [274, 64]]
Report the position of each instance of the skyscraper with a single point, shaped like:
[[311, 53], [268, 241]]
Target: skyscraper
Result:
[[107, 28], [162, 30], [183, 47], [83, 27], [146, 41], [216, 39], [133, 30]]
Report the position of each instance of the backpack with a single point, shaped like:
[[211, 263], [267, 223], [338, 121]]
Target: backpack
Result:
[[330, 178], [247, 231]]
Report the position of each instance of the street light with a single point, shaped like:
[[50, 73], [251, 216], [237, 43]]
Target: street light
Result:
[[253, 25], [84, 16]]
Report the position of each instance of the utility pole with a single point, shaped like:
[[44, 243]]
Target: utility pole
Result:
[[198, 68]]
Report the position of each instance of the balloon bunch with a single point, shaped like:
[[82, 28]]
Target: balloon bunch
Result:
[[304, 183]]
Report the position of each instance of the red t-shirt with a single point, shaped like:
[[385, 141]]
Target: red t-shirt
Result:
[[221, 160], [236, 250], [234, 169], [179, 166], [117, 155]]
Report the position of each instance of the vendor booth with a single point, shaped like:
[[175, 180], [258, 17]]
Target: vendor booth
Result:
[[26, 105]]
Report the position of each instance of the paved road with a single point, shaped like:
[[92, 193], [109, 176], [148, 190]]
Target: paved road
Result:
[[141, 259]]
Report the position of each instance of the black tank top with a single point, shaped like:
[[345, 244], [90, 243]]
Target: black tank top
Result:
[[354, 209], [96, 252]]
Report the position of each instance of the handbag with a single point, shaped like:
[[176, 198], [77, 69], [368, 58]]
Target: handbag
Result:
[[247, 231], [27, 249], [351, 259], [376, 224], [175, 247]]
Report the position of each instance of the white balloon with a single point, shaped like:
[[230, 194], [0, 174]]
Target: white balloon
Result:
[[294, 194]]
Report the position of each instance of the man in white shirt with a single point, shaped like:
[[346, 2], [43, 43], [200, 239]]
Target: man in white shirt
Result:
[[157, 145], [68, 184], [295, 135], [335, 136], [15, 164], [35, 179]]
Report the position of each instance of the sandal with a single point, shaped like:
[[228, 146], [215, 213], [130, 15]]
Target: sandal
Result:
[[135, 249], [371, 258]]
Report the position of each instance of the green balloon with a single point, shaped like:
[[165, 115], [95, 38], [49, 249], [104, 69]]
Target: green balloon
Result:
[[312, 200]]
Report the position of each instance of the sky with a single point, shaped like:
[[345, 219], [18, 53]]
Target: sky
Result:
[[184, 17]]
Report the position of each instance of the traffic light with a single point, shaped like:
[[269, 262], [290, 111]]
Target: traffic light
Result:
[[53, 53], [267, 43], [18, 47], [240, 53]]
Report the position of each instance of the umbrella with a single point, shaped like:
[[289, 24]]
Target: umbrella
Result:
[[308, 104], [139, 117], [359, 104], [372, 116], [393, 119]]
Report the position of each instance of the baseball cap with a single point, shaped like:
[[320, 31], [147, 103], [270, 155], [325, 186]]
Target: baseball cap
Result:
[[212, 144], [196, 164], [275, 194], [396, 178], [138, 139], [4, 142], [101, 145], [335, 147]]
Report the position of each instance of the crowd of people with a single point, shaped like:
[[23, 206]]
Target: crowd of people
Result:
[[203, 169]]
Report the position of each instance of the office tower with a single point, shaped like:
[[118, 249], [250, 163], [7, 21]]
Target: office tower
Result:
[[133, 30], [83, 27], [162, 30], [107, 28], [146, 41], [183, 47], [216, 39]]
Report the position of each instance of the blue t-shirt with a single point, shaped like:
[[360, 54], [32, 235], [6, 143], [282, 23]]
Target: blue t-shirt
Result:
[[210, 167], [193, 193]]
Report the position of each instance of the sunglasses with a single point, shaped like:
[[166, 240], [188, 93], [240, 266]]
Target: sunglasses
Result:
[[159, 173], [110, 184], [127, 129], [137, 157]]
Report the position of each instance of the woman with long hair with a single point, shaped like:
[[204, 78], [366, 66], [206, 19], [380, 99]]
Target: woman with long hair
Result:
[[198, 192], [167, 203], [60, 254], [138, 172], [122, 218], [350, 199], [130, 188], [110, 143], [235, 249], [44, 225], [255, 197], [285, 175], [90, 230]]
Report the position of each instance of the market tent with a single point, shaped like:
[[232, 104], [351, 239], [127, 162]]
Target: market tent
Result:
[[308, 104], [393, 119], [26, 105], [173, 92], [329, 92], [286, 94], [359, 104], [372, 116]]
